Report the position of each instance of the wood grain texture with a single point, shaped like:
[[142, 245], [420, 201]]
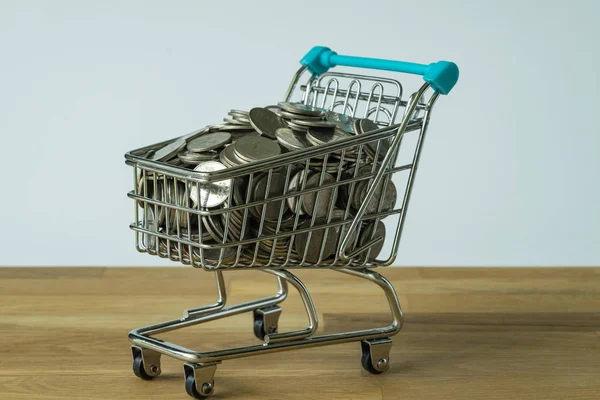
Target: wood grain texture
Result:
[[470, 333]]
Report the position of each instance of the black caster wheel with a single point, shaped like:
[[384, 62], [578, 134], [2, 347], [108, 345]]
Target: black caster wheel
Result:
[[259, 328], [381, 351], [138, 368], [206, 390], [266, 321]]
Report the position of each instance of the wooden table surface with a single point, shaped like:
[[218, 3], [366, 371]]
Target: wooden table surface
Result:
[[470, 333]]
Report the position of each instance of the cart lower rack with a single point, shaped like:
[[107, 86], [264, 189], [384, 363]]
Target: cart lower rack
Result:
[[306, 183]]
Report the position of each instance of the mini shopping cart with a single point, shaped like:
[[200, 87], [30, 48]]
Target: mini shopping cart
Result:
[[377, 98]]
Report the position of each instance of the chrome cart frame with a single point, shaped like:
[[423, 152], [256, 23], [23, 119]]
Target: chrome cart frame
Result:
[[383, 103]]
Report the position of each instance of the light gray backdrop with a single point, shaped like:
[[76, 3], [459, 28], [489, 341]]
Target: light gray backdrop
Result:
[[510, 170]]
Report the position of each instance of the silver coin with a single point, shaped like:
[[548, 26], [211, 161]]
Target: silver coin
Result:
[[266, 246], [296, 127], [227, 157], [145, 188], [367, 148], [241, 118], [359, 190], [236, 135], [287, 221], [240, 191], [213, 255], [210, 194], [169, 151], [366, 126], [388, 198], [272, 107], [235, 225], [213, 226], [309, 200], [189, 157], [290, 116], [175, 161], [292, 140], [341, 121], [317, 239], [295, 185], [265, 121], [176, 196], [318, 136], [195, 134], [276, 188], [229, 128], [209, 141], [235, 121], [254, 148], [350, 190], [162, 194], [367, 235], [235, 232], [333, 166], [356, 127], [326, 237], [149, 240], [317, 123], [165, 192], [148, 154], [183, 201], [299, 108]]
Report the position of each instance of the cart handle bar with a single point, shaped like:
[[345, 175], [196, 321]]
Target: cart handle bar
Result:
[[441, 75]]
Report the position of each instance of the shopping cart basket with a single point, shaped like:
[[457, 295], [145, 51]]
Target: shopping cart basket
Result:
[[351, 176]]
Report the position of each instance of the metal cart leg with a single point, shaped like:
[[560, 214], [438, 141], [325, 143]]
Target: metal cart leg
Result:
[[191, 312], [313, 321], [200, 366], [141, 336]]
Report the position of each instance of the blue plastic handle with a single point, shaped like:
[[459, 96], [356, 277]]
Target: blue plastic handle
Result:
[[442, 75]]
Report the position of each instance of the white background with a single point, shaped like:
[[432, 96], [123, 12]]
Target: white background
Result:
[[510, 170]]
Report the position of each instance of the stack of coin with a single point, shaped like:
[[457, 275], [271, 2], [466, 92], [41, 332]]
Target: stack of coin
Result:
[[165, 190], [370, 232], [205, 147], [249, 136], [354, 195], [308, 203], [326, 239], [278, 247]]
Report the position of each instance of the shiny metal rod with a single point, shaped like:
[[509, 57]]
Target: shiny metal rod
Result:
[[309, 305], [139, 336], [223, 312]]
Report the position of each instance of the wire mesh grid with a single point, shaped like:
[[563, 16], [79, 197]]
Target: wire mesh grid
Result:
[[289, 211]]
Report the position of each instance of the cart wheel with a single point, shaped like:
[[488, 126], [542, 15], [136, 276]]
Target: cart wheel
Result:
[[378, 350], [259, 330], [199, 373], [190, 387], [266, 321], [139, 366]]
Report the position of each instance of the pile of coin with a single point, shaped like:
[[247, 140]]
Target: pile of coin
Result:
[[263, 133]]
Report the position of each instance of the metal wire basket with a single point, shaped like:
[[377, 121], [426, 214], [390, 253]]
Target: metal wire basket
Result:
[[346, 185]]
